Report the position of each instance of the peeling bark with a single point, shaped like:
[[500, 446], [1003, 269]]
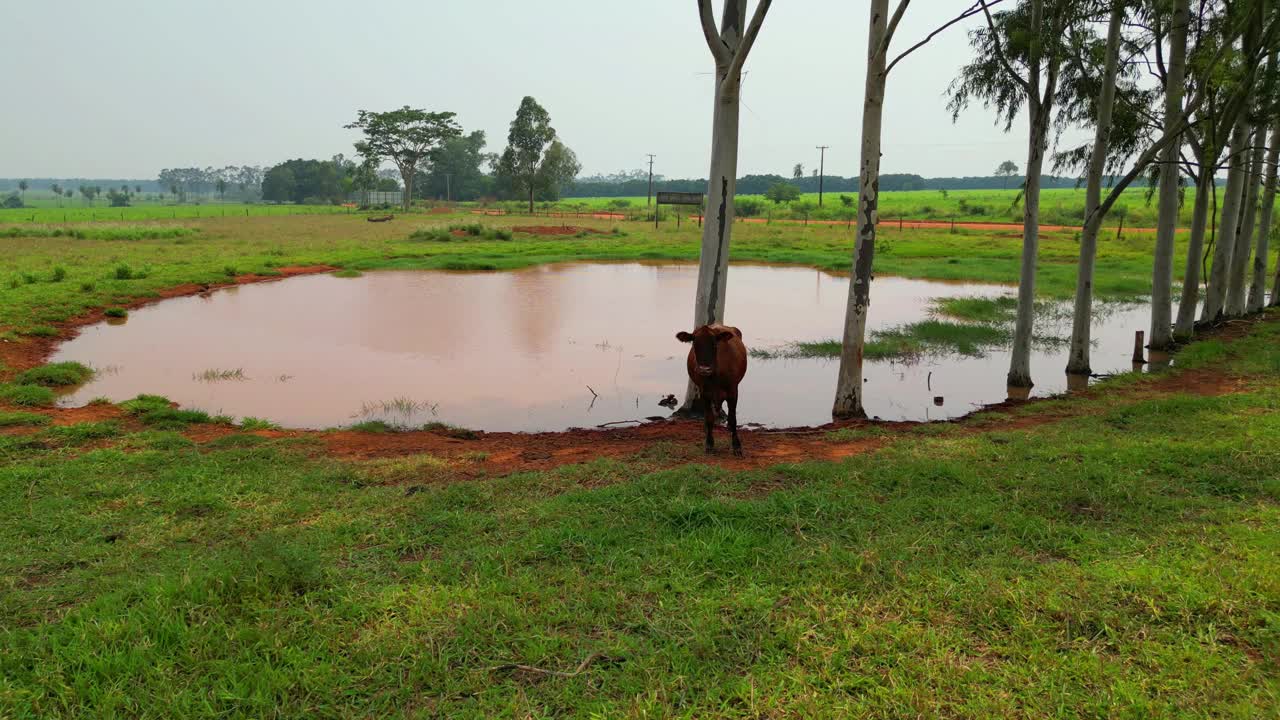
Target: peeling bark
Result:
[[1215, 295], [848, 400]]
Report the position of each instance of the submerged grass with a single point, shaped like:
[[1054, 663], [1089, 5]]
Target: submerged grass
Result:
[[216, 375]]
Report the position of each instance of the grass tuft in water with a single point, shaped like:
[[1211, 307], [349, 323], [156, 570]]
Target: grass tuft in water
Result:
[[216, 375], [348, 273], [253, 423], [63, 374], [27, 395], [116, 312], [159, 412]]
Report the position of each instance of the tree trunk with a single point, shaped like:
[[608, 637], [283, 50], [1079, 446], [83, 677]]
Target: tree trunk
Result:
[[530, 196], [1078, 359], [408, 189], [1167, 220], [1238, 280], [1215, 296], [1205, 189], [1258, 285], [1020, 362], [848, 401]]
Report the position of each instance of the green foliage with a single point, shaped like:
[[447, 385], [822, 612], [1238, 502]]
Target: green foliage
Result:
[[406, 137], [124, 272], [535, 163], [102, 233], [782, 192], [116, 312], [62, 374], [253, 423], [58, 275]]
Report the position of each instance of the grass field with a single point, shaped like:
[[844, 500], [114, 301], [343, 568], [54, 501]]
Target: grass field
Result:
[[1058, 206], [1112, 555], [48, 276]]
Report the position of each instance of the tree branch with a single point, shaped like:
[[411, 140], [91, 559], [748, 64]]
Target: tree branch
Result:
[[707, 16], [749, 39], [891, 28], [995, 42], [973, 10]]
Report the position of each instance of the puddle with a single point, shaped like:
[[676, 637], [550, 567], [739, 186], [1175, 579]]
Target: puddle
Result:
[[524, 351]]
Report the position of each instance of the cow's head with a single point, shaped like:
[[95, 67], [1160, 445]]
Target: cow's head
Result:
[[704, 341]]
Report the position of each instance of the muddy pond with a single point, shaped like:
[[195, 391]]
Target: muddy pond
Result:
[[547, 348]]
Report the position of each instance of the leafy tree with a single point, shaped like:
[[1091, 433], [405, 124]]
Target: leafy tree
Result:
[[1007, 169], [12, 202], [118, 198], [221, 184], [407, 137], [22, 185], [456, 169], [530, 136], [782, 192], [797, 172], [302, 181]]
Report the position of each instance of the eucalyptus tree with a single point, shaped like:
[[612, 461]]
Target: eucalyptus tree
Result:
[[1078, 359], [1258, 283], [1019, 57], [730, 45], [1161, 333], [1237, 275], [406, 137], [1224, 249], [881, 30]]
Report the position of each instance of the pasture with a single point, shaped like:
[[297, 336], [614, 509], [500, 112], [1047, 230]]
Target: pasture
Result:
[[1055, 559]]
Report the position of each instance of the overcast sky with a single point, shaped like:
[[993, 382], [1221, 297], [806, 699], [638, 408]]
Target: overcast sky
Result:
[[123, 89]]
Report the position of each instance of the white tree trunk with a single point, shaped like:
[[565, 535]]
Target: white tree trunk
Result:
[[1205, 189], [1215, 296], [848, 401], [1078, 358], [1238, 280], [1258, 285], [1020, 362], [1161, 335], [729, 48]]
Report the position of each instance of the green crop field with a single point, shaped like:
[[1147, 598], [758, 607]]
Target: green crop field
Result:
[[1058, 206], [76, 213], [1111, 554]]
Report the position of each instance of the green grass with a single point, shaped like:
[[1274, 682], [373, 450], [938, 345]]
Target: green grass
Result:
[[904, 341], [1117, 563], [63, 374], [128, 232], [159, 412], [151, 212], [26, 395], [103, 273], [19, 419]]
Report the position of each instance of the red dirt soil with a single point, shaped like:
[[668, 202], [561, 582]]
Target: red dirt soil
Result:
[[553, 230]]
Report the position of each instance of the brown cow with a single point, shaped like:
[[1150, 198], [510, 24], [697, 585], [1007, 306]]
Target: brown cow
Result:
[[717, 363]]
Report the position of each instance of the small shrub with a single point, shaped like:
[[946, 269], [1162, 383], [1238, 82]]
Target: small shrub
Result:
[[502, 235], [27, 395], [230, 271], [116, 312], [87, 287], [372, 426], [59, 274], [63, 374], [124, 272], [30, 278]]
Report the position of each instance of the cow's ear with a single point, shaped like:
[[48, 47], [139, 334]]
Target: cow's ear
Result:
[[683, 336], [725, 335]]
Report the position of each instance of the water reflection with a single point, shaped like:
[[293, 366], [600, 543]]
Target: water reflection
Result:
[[545, 348]]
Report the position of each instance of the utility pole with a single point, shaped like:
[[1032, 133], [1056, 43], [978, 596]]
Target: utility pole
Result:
[[649, 202], [822, 169], [448, 187]]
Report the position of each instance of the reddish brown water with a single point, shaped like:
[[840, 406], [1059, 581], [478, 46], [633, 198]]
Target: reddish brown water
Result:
[[519, 350]]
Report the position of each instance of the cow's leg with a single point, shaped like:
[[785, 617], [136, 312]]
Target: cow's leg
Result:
[[709, 419], [733, 424]]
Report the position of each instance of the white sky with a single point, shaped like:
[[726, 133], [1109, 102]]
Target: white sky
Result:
[[123, 89]]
